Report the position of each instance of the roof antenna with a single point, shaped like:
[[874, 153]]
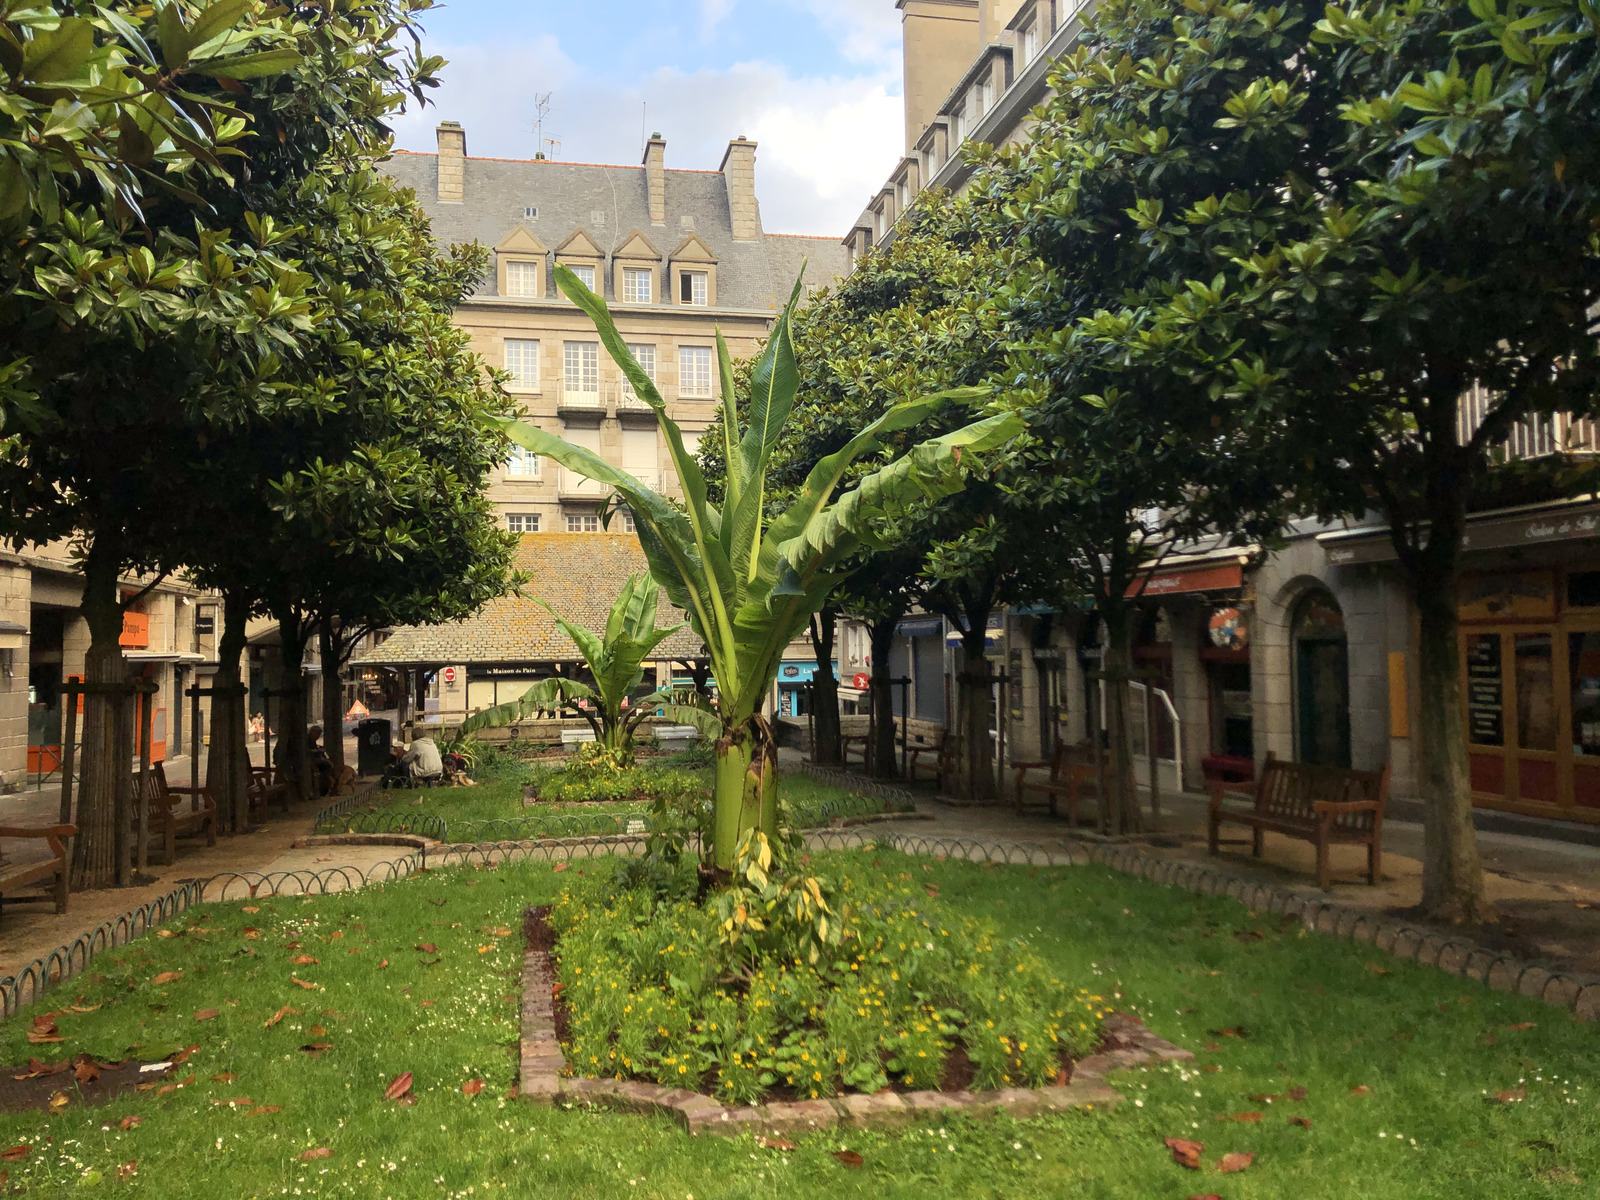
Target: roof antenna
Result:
[[541, 105]]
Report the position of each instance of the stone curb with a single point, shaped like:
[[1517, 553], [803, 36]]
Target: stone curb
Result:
[[1458, 956], [542, 1081]]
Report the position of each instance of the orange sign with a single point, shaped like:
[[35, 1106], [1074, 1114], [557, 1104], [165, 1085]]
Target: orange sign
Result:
[[1190, 579], [135, 631]]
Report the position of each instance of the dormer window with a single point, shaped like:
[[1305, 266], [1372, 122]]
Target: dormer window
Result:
[[693, 288], [1030, 41], [637, 287], [522, 279], [585, 274], [520, 265], [693, 273], [581, 255]]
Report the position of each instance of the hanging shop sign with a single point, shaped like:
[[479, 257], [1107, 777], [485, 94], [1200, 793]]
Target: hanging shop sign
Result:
[[1215, 578], [1229, 629]]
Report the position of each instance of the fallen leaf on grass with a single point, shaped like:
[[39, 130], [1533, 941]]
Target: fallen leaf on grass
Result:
[[168, 1089], [167, 977], [399, 1086], [484, 949], [304, 960], [472, 1087], [1376, 969], [319, 1152], [279, 1015], [1303, 1122], [128, 1170], [129, 1122], [1521, 1025], [1185, 1152], [303, 983], [561, 866], [849, 1158], [427, 1003], [1297, 1093], [85, 1070], [772, 1143], [930, 889], [1235, 1162], [383, 964], [1510, 1096], [262, 1110], [183, 1056], [165, 933], [206, 1014], [1232, 1031], [428, 948], [59, 1101], [250, 908], [315, 1049], [317, 1031], [1360, 1090], [1249, 1117], [36, 1069], [15, 1154], [44, 1031], [1213, 1067], [501, 931], [225, 1077], [89, 1008]]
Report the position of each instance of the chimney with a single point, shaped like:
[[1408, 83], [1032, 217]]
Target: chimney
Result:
[[655, 173], [452, 162], [739, 174]]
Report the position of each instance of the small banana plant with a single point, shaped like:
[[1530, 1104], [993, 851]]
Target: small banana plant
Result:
[[616, 661], [750, 583]]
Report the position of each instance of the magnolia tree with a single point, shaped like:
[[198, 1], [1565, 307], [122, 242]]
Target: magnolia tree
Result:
[[750, 582]]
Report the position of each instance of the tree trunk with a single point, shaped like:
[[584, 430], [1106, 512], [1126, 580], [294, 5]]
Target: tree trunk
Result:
[[329, 644], [744, 789], [1452, 873], [292, 711], [1120, 805], [881, 759], [107, 754], [825, 692], [228, 764], [972, 709]]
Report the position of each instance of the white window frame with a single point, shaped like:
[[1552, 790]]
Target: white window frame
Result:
[[632, 291], [522, 522], [580, 367], [519, 272], [523, 464], [697, 386], [522, 363], [629, 525], [583, 523], [645, 355], [1030, 41], [699, 288], [585, 273]]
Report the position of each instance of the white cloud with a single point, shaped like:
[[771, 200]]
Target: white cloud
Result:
[[712, 14], [826, 143]]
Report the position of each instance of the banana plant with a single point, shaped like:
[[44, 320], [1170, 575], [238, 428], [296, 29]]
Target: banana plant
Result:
[[749, 584], [616, 660]]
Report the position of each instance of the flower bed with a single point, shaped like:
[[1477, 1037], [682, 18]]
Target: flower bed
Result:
[[913, 997]]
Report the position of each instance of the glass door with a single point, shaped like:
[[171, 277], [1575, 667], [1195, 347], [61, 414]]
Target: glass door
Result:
[[1583, 682], [1516, 687]]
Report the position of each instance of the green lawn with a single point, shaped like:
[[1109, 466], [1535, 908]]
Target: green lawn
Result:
[[1305, 1011], [482, 813]]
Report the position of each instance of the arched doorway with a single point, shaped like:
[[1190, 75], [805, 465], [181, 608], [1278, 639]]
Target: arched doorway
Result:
[[1321, 681]]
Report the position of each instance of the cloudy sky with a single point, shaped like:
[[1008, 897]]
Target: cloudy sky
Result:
[[816, 82]]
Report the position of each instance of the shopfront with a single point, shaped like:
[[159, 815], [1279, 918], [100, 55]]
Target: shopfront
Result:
[[1530, 649], [794, 685]]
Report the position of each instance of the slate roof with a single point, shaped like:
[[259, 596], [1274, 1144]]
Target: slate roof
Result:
[[611, 202], [578, 574]]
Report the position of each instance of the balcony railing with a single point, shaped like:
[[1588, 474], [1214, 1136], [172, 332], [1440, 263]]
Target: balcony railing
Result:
[[1531, 437], [575, 487], [588, 399]]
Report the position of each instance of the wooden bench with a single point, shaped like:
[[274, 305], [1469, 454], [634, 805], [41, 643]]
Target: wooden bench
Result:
[[266, 788], [20, 875], [1071, 774], [923, 738], [1323, 805], [162, 805]]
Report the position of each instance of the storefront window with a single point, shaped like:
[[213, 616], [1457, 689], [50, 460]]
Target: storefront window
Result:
[[1536, 691], [1485, 691]]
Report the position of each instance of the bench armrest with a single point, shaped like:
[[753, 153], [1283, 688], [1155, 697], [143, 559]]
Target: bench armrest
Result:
[[45, 831], [190, 791]]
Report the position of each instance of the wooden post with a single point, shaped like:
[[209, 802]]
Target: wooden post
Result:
[[146, 702], [69, 755], [194, 734]]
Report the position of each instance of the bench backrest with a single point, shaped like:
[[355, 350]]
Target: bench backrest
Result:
[[1290, 789]]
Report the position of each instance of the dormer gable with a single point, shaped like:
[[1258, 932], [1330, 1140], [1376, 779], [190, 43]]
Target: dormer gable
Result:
[[693, 249], [580, 245], [521, 240], [638, 248]]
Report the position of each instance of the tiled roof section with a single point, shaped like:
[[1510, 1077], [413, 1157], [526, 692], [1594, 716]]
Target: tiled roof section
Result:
[[612, 202], [578, 574]]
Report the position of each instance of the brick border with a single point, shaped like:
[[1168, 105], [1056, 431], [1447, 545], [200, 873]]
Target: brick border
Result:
[[543, 1081]]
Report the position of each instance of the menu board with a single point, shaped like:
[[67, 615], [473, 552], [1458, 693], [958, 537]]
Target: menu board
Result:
[[1485, 691]]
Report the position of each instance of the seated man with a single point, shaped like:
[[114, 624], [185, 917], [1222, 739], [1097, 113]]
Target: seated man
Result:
[[423, 759], [321, 764]]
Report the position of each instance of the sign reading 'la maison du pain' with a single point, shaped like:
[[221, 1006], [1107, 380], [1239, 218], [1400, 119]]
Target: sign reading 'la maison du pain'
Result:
[[1577, 522]]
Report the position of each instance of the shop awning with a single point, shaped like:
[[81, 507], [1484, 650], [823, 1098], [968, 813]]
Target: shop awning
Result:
[[1487, 531], [1212, 576], [915, 627]]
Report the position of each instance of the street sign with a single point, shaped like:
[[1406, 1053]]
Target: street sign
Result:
[[862, 681], [449, 674]]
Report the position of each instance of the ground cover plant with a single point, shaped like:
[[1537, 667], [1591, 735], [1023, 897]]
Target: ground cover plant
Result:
[[1401, 1068], [913, 995]]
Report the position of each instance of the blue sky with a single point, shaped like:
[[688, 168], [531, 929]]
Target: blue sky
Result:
[[816, 82]]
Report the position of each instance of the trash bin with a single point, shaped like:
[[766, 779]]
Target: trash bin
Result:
[[373, 738]]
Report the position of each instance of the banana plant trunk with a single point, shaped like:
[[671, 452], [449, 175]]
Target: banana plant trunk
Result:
[[744, 792]]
